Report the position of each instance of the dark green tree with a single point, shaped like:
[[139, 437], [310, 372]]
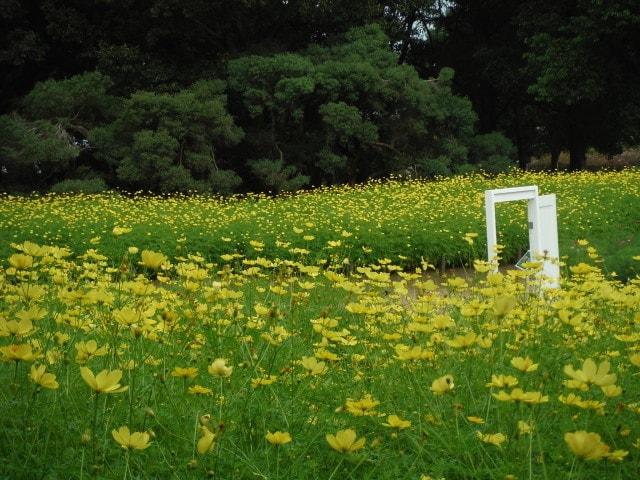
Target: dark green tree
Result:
[[33, 154], [583, 56], [171, 142], [349, 111]]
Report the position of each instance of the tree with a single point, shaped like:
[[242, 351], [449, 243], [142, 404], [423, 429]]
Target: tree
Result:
[[164, 142], [33, 154], [584, 59], [348, 111]]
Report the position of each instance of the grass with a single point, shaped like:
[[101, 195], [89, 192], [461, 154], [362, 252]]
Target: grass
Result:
[[403, 221], [316, 345]]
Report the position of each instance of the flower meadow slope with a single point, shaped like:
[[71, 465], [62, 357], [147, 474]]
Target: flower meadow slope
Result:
[[404, 221], [152, 366], [301, 337]]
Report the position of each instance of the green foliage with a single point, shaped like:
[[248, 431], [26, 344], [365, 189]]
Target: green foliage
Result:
[[33, 152], [277, 176], [169, 142], [348, 111], [93, 185], [492, 152], [82, 99]]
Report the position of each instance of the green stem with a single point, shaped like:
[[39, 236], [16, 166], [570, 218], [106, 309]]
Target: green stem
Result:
[[336, 469], [126, 464], [93, 427]]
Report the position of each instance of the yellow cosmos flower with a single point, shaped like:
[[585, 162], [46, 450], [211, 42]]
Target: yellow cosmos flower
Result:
[[128, 440], [500, 381], [524, 427], [87, 350], [611, 391], [188, 372], [313, 366], [22, 352], [586, 445], [20, 261], [152, 260], [258, 382], [345, 441], [206, 441], [475, 420], [592, 373], [495, 439], [503, 304], [117, 231], [105, 382], [363, 407], [524, 364], [18, 328], [394, 421], [463, 341], [199, 390], [278, 438], [518, 395], [219, 368], [45, 380], [442, 385]]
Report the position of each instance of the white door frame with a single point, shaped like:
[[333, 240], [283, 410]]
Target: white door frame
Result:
[[541, 215]]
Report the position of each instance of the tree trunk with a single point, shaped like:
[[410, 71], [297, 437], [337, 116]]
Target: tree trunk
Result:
[[406, 41], [523, 158], [555, 157], [578, 155]]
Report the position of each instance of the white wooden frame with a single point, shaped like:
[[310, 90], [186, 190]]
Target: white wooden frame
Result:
[[543, 227]]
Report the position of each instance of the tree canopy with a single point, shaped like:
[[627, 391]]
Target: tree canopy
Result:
[[222, 96]]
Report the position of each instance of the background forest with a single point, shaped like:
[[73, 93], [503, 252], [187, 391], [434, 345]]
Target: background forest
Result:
[[232, 96]]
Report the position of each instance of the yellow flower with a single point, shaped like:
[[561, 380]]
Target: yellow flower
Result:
[[524, 427], [617, 455], [199, 390], [345, 441], [45, 380], [586, 445], [592, 373], [313, 366], [278, 438], [152, 260], [18, 328], [132, 250], [476, 420], [518, 395], [496, 439], [394, 421], [365, 406], [463, 341], [524, 364], [502, 305], [500, 381], [20, 261], [117, 231], [258, 382], [442, 385], [188, 372], [23, 352], [87, 350], [219, 368], [206, 441], [611, 391], [105, 382], [127, 440]]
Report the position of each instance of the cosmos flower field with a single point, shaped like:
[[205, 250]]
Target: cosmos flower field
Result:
[[312, 336]]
